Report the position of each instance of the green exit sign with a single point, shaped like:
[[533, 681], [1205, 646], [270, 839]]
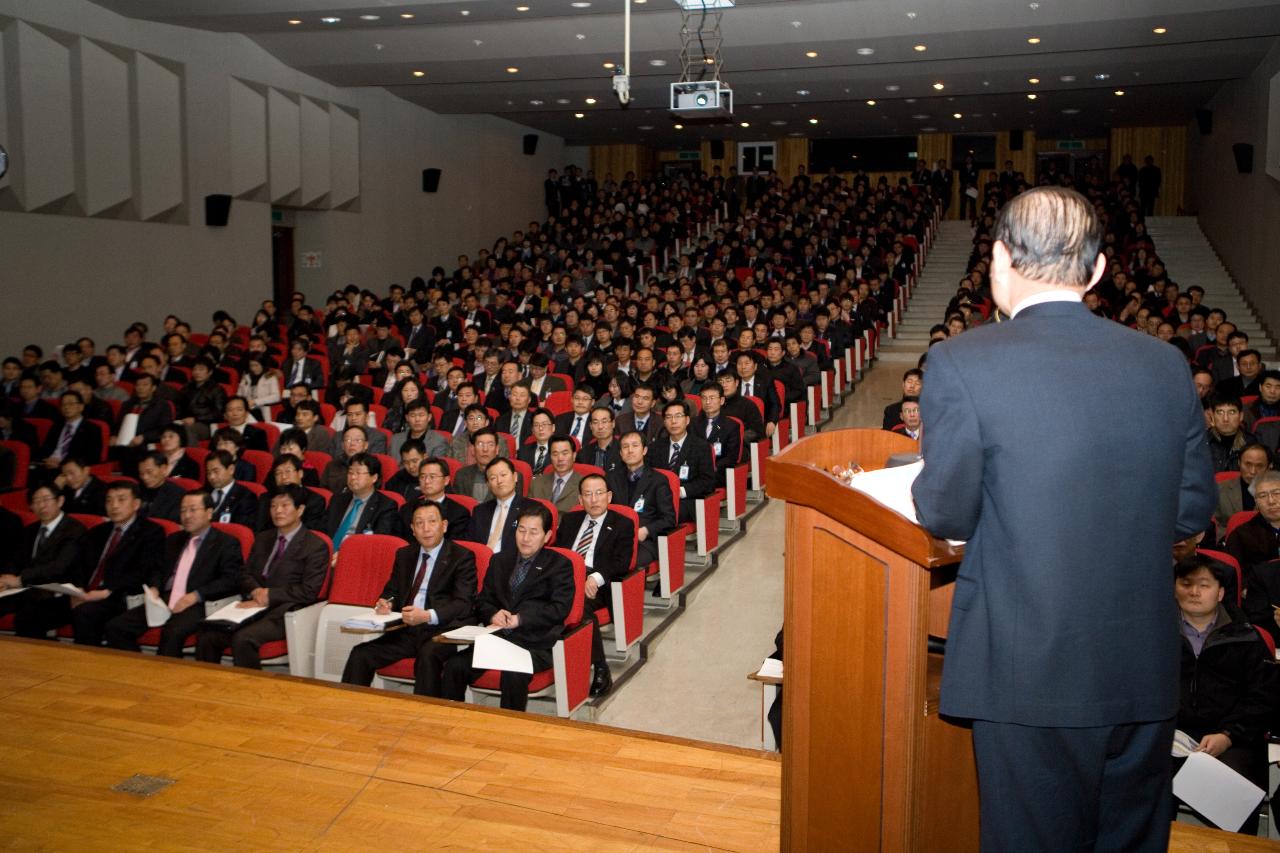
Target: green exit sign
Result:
[[1070, 144], [690, 155]]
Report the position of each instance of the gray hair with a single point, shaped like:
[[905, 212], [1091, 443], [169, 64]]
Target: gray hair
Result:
[[1053, 235]]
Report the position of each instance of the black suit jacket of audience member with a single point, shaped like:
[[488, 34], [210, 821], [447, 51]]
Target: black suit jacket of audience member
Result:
[[379, 515], [615, 538], [357, 359], [421, 342], [153, 416], [744, 410], [1262, 586], [295, 580], [312, 373], [482, 520], [792, 380], [656, 514], [457, 516], [612, 456], [564, 426], [238, 506], [449, 422], [164, 502], [214, 572], [204, 402], [314, 513], [91, 501], [762, 386], [626, 422], [724, 432], [25, 433], [255, 438], [503, 424], [40, 409], [892, 415], [186, 468], [1237, 387], [86, 442], [136, 558], [542, 602], [451, 589], [528, 453], [695, 454], [56, 557]]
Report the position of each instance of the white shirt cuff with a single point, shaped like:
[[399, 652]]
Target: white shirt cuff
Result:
[[599, 578]]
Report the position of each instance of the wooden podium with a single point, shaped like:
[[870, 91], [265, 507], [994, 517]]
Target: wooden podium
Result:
[[867, 763]]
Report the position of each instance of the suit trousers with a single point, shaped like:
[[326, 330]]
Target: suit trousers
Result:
[[39, 612], [413, 642], [89, 620], [244, 640], [124, 630], [514, 685], [604, 598], [1102, 788]]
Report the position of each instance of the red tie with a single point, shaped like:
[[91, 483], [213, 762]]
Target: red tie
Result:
[[112, 544], [417, 580]]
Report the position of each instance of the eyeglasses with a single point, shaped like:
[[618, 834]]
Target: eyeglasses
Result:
[[596, 494], [1272, 495]]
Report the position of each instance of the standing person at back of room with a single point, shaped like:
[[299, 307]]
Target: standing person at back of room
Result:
[[1063, 640]]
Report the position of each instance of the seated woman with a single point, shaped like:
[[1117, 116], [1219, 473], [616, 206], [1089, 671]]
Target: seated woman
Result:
[[293, 442], [173, 444]]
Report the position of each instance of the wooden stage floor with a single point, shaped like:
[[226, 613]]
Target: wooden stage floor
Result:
[[267, 762]]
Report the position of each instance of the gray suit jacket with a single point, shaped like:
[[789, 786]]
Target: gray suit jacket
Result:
[[543, 484], [1230, 501]]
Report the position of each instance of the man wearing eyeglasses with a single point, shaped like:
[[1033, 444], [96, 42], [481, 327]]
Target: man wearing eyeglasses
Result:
[[1256, 546], [433, 482]]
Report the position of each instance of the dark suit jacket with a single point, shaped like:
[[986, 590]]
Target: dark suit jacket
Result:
[[695, 455], [56, 557], [155, 415], [1262, 583], [379, 515], [313, 516], [254, 438], [214, 572], [626, 423], [612, 457], [451, 591], [542, 602], [744, 410], [92, 500], [614, 538], [239, 506], [503, 424], [136, 558], [762, 388], [312, 373], [482, 520], [656, 514], [564, 426], [529, 453], [454, 513], [1252, 542], [1018, 464], [164, 502], [724, 432], [86, 442], [295, 580]]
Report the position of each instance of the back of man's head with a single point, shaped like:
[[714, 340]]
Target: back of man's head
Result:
[[1052, 235]]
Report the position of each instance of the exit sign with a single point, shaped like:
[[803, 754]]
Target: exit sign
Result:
[[689, 155], [1070, 144]]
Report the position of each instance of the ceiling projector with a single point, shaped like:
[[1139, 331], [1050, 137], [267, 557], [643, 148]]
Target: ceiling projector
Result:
[[701, 99]]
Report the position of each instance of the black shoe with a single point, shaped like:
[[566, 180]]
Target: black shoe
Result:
[[601, 680]]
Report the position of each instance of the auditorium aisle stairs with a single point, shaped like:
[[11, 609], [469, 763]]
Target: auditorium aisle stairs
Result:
[[948, 262]]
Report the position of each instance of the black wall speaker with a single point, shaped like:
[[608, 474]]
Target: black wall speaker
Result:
[[531, 144], [430, 180], [1204, 118], [217, 210], [1244, 157], [717, 149], [1015, 140]]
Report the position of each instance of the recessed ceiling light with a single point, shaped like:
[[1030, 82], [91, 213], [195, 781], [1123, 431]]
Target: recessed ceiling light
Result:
[[1102, 76], [658, 63], [370, 17], [646, 127], [609, 65], [929, 129], [1033, 6], [920, 116], [911, 100], [522, 8], [744, 124], [813, 121], [865, 51], [957, 115], [330, 20], [562, 101], [579, 115], [1160, 31], [640, 2], [464, 12], [921, 48], [294, 21], [580, 36], [1033, 80], [812, 54], [591, 100], [1070, 111], [892, 87], [678, 126], [939, 86], [536, 103], [1068, 78], [512, 70], [1119, 92], [797, 24], [419, 74], [778, 122], [802, 91], [911, 16], [406, 15], [1031, 96], [757, 106], [871, 102], [1033, 40], [580, 4]]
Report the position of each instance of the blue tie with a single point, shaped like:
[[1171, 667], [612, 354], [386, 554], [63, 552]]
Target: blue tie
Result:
[[347, 520], [521, 572]]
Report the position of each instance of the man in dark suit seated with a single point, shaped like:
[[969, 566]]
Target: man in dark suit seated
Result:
[[577, 423], [737, 406], [361, 508], [200, 564], [232, 502], [1256, 547], [1236, 495], [537, 454], [1227, 437], [300, 369], [604, 538], [722, 434], [288, 471], [433, 584], [112, 563], [493, 522], [517, 420], [1248, 378], [685, 454], [602, 450], [285, 571], [528, 593], [755, 382], [236, 414], [912, 381], [357, 412], [638, 486], [44, 551], [160, 498], [85, 494], [642, 418], [433, 481], [203, 400], [75, 437]]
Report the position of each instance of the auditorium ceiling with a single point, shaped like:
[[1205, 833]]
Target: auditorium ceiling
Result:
[[802, 67]]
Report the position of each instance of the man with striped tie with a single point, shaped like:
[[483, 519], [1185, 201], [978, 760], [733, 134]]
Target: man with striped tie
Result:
[[559, 482], [577, 423]]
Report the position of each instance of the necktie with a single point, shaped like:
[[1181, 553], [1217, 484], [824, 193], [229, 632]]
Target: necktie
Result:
[[185, 561], [576, 432], [112, 544], [587, 537], [347, 521], [711, 425], [217, 498], [280, 546], [64, 442], [540, 461], [516, 420], [418, 579], [675, 452], [521, 572], [297, 373], [641, 424], [495, 532], [748, 389], [40, 540], [556, 489]]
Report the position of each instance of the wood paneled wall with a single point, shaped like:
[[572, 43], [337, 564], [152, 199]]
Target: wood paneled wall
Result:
[[792, 154], [932, 147], [1024, 161], [621, 158], [1168, 145], [730, 157]]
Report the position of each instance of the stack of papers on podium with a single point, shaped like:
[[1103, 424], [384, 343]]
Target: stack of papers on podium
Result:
[[1216, 791], [771, 668], [493, 652], [468, 633], [892, 487], [235, 614], [62, 589], [157, 611], [372, 621]]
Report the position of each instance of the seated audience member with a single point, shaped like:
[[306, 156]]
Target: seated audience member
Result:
[[576, 422], [1226, 437], [200, 564], [517, 420], [151, 414], [404, 482], [602, 450], [301, 370], [433, 585], [354, 442], [203, 400], [45, 550], [636, 485], [160, 498], [784, 371], [911, 425], [173, 444], [286, 570], [357, 412], [1236, 495], [306, 417], [85, 494], [538, 452], [1266, 406], [29, 402], [293, 442], [360, 508], [433, 482], [233, 442], [1228, 687], [685, 454], [287, 470], [912, 383], [472, 480], [558, 483], [454, 421], [721, 433], [233, 503], [14, 428], [756, 382], [236, 414], [1256, 547], [74, 437], [604, 538], [112, 562], [461, 448], [1248, 377], [642, 418], [418, 427], [493, 522], [528, 593], [737, 406], [541, 382]]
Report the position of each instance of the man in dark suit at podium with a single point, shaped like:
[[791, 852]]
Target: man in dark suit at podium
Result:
[[1063, 641]]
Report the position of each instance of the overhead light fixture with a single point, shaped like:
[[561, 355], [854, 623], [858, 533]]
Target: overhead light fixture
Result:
[[330, 20], [419, 74], [871, 102], [609, 65], [640, 2], [744, 124], [464, 12], [1160, 31], [370, 17], [579, 115], [865, 51], [911, 16], [580, 4], [678, 126], [1033, 80], [892, 87], [562, 101], [813, 121], [778, 122], [591, 100], [645, 127], [294, 22], [1070, 111], [802, 91], [513, 70], [957, 115], [407, 15], [522, 8], [1033, 40], [658, 63], [920, 116], [812, 54], [699, 5], [1102, 76], [1119, 93], [1068, 78], [536, 103], [939, 86], [920, 48], [1031, 96]]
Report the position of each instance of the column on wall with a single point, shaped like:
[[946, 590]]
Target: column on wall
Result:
[[730, 157], [618, 159], [1168, 145], [1024, 160], [932, 147], [792, 154]]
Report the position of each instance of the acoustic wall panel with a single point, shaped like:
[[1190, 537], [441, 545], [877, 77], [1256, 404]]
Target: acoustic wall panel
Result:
[[248, 117], [344, 161], [158, 131], [40, 116], [284, 144], [315, 150], [105, 167]]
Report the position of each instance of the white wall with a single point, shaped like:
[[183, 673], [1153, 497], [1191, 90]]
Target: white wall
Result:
[[214, 113]]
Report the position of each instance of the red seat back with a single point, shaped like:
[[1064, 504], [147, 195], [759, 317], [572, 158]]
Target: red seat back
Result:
[[559, 402], [579, 583], [324, 493], [168, 526], [525, 470], [185, 483], [394, 496], [41, 426], [328, 574], [483, 556], [261, 462], [364, 565], [89, 521], [1238, 519], [674, 482], [197, 455], [242, 534], [1220, 477], [21, 462], [742, 432], [388, 465], [622, 509], [468, 502], [104, 429]]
